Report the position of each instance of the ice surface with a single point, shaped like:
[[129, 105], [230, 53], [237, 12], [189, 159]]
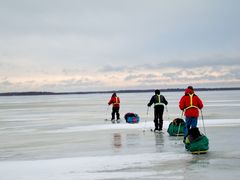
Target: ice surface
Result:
[[98, 167], [67, 138], [123, 154]]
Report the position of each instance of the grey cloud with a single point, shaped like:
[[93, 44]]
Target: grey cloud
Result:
[[193, 63], [140, 76], [215, 62], [211, 61], [182, 76], [58, 86], [109, 68], [72, 71], [235, 73], [129, 37], [79, 82], [61, 29], [195, 75], [6, 83], [9, 86]]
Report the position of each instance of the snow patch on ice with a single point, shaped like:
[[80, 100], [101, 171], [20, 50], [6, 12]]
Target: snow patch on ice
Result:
[[142, 126], [98, 167]]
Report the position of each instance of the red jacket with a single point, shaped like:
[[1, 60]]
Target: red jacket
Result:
[[115, 101], [184, 104]]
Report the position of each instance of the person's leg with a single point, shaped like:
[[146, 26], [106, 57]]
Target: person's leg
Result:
[[113, 113], [187, 126], [117, 113], [161, 109], [156, 118], [194, 122]]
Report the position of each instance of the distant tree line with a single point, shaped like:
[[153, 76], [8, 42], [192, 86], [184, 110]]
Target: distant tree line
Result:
[[35, 93]]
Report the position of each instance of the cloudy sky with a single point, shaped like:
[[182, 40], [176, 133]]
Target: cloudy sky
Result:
[[80, 45]]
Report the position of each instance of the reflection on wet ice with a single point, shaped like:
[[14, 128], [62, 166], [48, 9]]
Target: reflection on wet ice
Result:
[[117, 140], [132, 139], [159, 141], [200, 161], [128, 140]]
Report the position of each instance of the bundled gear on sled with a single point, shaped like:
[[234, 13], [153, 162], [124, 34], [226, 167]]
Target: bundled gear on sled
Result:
[[196, 142], [176, 127], [132, 118]]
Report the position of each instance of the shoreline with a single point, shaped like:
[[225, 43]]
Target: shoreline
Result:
[[37, 93]]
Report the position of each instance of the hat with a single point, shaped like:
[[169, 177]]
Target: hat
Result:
[[157, 91], [190, 87]]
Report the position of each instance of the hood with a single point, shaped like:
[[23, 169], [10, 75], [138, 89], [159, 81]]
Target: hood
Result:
[[189, 91]]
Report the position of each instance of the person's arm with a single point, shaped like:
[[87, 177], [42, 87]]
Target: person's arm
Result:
[[110, 101], [182, 103], [199, 103], [151, 101], [164, 100]]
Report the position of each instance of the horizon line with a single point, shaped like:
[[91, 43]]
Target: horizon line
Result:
[[32, 93]]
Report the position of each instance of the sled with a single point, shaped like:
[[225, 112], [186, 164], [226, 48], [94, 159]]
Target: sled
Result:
[[132, 118], [176, 127]]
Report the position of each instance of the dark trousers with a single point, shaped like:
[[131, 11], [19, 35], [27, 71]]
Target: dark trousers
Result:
[[115, 110], [158, 117]]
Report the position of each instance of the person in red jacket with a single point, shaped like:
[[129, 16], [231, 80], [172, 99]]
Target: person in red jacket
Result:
[[115, 101], [190, 103]]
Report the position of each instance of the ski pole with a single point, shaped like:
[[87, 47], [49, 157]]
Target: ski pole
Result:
[[203, 123], [106, 113], [178, 129], [167, 113], [146, 120], [182, 115]]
